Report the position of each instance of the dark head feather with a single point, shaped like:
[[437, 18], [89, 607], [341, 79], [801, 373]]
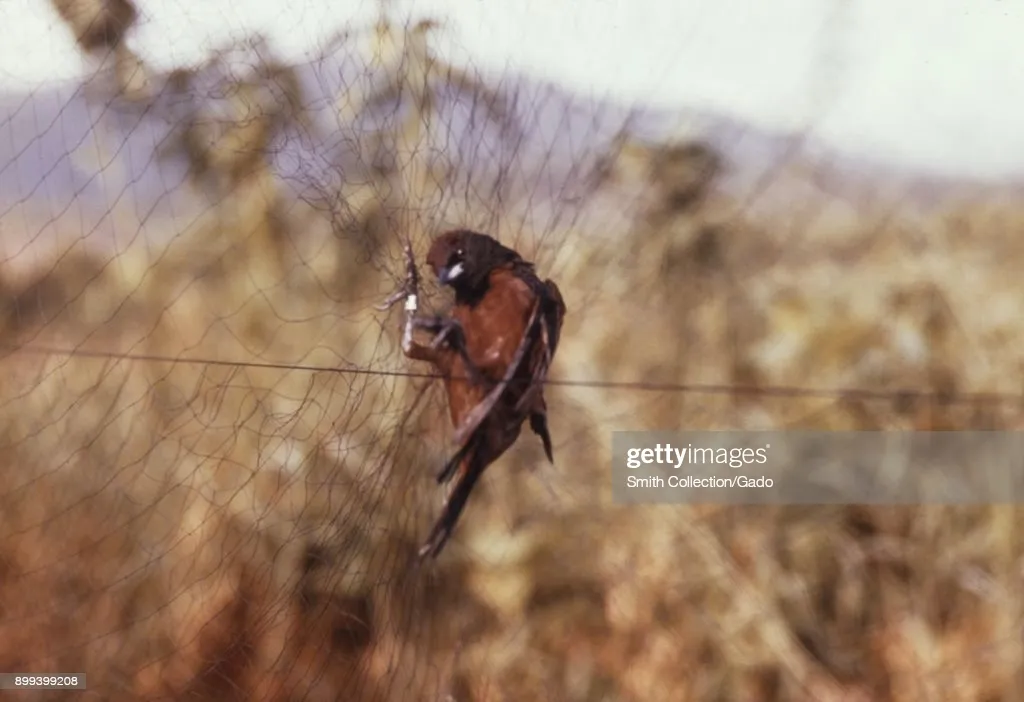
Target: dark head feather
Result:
[[464, 260]]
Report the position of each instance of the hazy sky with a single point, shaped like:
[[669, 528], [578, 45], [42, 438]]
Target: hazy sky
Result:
[[938, 83]]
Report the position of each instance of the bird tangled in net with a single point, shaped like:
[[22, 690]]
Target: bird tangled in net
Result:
[[493, 350]]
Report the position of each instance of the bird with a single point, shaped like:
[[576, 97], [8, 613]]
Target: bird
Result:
[[493, 350]]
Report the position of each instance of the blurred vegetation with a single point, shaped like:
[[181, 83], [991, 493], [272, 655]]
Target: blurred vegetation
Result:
[[218, 531]]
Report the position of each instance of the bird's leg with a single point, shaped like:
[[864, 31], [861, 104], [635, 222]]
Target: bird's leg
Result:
[[445, 329], [440, 327], [410, 347], [410, 291], [448, 330]]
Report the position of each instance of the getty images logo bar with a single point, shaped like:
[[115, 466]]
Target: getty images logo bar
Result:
[[676, 456], [796, 467]]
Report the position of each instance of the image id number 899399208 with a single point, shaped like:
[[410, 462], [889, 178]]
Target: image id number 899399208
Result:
[[42, 681]]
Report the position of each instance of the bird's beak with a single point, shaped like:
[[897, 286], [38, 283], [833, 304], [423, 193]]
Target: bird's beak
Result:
[[446, 275]]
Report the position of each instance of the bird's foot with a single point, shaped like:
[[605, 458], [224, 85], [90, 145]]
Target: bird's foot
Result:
[[444, 328], [432, 324], [402, 292], [448, 330], [438, 326]]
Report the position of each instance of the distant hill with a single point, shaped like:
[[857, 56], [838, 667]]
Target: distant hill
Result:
[[69, 145]]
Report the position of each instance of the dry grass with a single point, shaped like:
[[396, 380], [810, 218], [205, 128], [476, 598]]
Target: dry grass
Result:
[[225, 532]]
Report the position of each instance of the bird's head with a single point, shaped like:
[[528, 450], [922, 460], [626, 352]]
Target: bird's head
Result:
[[463, 260]]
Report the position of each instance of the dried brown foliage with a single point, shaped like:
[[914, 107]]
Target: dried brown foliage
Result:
[[97, 24], [204, 531]]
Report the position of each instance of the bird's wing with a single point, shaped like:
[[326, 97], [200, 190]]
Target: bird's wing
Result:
[[552, 313], [484, 407]]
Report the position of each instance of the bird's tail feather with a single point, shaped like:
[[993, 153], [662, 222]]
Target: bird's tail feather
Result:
[[448, 471], [453, 508], [539, 424]]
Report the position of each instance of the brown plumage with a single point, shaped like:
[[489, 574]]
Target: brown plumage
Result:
[[494, 351]]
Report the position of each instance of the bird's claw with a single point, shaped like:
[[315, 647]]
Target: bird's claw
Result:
[[444, 329], [447, 327], [409, 287], [399, 294]]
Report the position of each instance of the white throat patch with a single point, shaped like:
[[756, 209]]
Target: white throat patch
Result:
[[455, 271]]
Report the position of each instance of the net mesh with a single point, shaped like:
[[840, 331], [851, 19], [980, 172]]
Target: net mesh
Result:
[[219, 464]]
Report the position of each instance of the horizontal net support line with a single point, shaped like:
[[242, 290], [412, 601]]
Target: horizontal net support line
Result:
[[781, 391]]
